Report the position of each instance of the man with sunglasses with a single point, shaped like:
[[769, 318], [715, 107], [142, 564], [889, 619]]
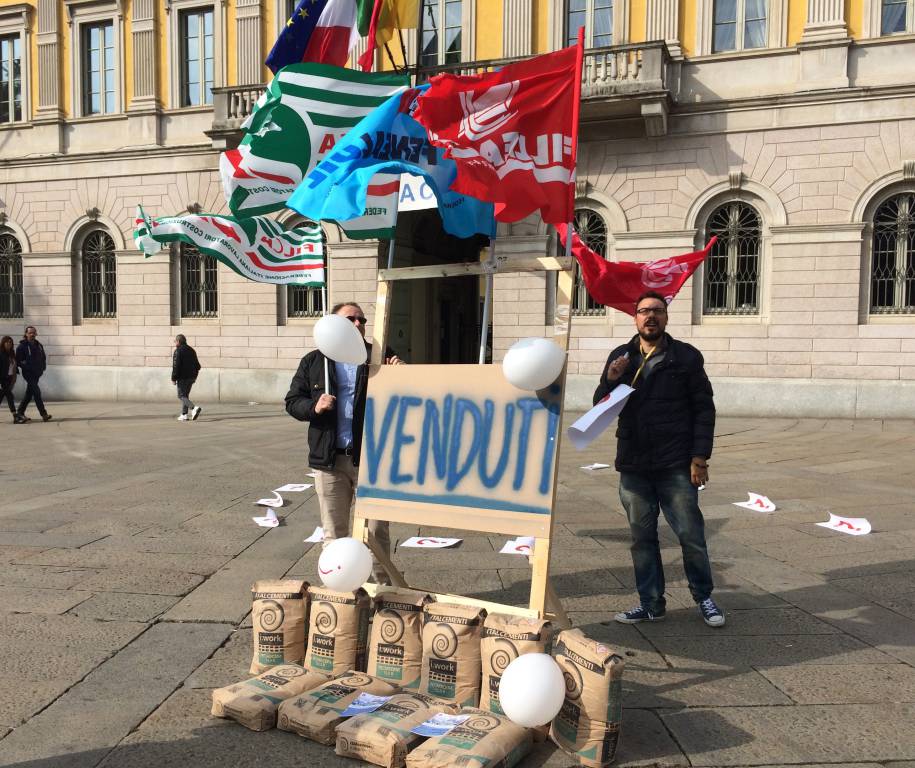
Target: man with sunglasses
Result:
[[664, 441], [335, 414]]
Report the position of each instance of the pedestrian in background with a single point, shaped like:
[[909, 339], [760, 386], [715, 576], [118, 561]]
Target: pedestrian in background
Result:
[[185, 368], [32, 361], [8, 371]]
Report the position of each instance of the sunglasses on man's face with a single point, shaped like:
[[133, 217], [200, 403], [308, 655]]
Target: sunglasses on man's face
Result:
[[356, 319]]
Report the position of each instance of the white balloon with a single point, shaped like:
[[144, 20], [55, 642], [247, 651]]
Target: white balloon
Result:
[[339, 340], [533, 363], [532, 690], [345, 564]]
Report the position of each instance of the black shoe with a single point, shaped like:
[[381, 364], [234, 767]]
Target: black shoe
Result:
[[638, 614], [46, 417], [21, 418], [17, 419]]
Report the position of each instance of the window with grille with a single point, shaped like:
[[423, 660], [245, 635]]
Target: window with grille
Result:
[[596, 16], [441, 32], [99, 274], [896, 17], [10, 79], [731, 283], [10, 276], [197, 60], [893, 257], [593, 233], [739, 25], [304, 301], [98, 85], [199, 283]]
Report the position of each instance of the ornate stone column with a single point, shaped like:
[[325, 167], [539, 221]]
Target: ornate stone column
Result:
[[250, 61], [49, 75], [662, 23], [825, 21], [517, 28], [823, 47], [143, 30]]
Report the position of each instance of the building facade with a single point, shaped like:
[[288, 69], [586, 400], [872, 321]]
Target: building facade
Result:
[[786, 127]]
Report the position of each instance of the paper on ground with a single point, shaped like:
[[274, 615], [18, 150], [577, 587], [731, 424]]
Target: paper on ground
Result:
[[315, 537], [311, 474], [595, 465], [854, 526], [277, 502], [267, 521], [364, 702], [292, 488], [428, 542], [757, 503], [523, 545], [590, 426], [439, 725]]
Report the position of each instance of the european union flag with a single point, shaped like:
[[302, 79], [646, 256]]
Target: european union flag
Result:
[[292, 42]]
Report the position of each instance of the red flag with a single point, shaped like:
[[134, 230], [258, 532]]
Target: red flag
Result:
[[620, 284], [513, 133]]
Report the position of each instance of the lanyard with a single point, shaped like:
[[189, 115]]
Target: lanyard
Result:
[[644, 361]]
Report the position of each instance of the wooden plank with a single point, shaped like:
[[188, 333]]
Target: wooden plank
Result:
[[380, 324], [443, 597], [503, 264]]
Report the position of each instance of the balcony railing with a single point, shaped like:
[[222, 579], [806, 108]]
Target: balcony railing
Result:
[[609, 74]]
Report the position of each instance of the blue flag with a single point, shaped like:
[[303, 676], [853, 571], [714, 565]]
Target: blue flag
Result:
[[388, 140]]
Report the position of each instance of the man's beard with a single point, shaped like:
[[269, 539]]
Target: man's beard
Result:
[[651, 334]]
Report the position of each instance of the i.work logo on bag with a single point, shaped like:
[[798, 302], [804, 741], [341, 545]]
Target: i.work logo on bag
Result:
[[322, 652], [270, 647], [390, 661], [494, 705], [442, 678], [566, 722]]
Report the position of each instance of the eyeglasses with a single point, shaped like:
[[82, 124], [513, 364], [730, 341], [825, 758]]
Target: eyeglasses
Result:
[[645, 311], [356, 319]]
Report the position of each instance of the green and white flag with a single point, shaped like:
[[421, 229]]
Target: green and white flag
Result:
[[305, 110], [256, 248]]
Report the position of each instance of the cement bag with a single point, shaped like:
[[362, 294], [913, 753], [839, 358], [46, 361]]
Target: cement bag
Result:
[[337, 630], [451, 653], [383, 737], [396, 641], [316, 714], [588, 725], [279, 612], [484, 739], [505, 638], [253, 702]]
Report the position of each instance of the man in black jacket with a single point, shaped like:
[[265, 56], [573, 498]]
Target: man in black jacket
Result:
[[336, 415], [32, 361], [185, 368], [664, 441]]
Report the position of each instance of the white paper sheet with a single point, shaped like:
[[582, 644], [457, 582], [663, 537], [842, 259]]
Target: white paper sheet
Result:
[[439, 724], [311, 474], [853, 526], [595, 465], [293, 488], [590, 426], [428, 542], [267, 521], [364, 702], [757, 503], [316, 537], [523, 545], [275, 503]]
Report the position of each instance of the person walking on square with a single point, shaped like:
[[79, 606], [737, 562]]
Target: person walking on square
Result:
[[185, 368], [8, 371], [664, 441], [335, 432], [32, 361]]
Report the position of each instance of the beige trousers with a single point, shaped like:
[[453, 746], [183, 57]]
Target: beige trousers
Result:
[[336, 489]]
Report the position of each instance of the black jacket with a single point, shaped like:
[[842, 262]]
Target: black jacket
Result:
[[184, 363], [31, 359], [670, 418], [306, 388]]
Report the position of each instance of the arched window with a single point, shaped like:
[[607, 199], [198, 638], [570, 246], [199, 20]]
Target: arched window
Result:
[[99, 275], [593, 232], [199, 283], [893, 257], [10, 276], [731, 284]]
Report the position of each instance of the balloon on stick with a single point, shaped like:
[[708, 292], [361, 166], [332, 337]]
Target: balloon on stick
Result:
[[532, 690], [345, 565], [533, 363], [339, 340]]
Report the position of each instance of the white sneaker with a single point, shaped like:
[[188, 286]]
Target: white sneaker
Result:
[[195, 413], [183, 417]]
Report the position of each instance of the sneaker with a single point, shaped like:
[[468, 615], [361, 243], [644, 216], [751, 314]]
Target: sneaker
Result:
[[711, 613], [638, 614], [17, 419], [196, 412], [183, 417], [21, 418], [46, 417]]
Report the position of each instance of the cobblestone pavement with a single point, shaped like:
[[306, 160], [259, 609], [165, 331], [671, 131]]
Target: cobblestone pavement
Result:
[[127, 553]]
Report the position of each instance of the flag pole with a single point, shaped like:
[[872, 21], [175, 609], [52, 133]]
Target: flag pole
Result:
[[487, 299], [326, 364], [576, 110]]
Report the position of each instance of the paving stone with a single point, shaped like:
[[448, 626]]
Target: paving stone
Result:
[[42, 577], [625, 640], [22, 698], [841, 684], [170, 542], [230, 664], [26, 600], [94, 715], [116, 559], [124, 606], [763, 621], [482, 584], [666, 688], [39, 629], [143, 581], [11, 554], [739, 736]]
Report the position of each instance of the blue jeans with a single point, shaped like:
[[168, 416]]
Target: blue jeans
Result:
[[670, 491], [32, 391]]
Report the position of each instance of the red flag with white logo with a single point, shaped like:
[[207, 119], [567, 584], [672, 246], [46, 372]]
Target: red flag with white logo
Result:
[[619, 284], [513, 133]]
